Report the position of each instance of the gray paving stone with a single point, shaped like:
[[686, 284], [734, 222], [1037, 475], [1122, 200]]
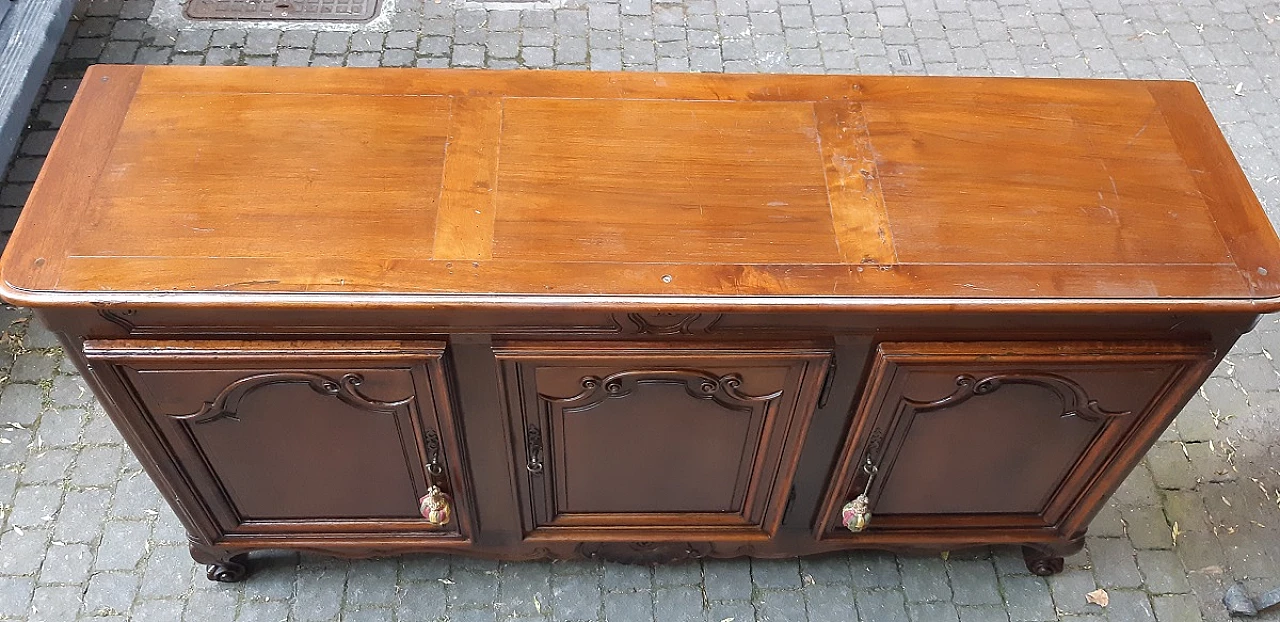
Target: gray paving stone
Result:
[[1114, 562], [525, 589], [61, 428], [983, 613], [158, 610], [925, 578], [1068, 589], [23, 552], [735, 611], [887, 605], [47, 467], [35, 366], [211, 605], [829, 602], [110, 593], [1130, 605], [66, 563], [973, 582], [1163, 572], [82, 516], [1147, 528], [35, 505], [55, 603], [679, 604], [15, 596], [21, 403], [825, 570], [775, 573], [932, 612], [778, 606], [576, 597], [425, 600], [1027, 598], [70, 392], [319, 592], [166, 572], [627, 577], [1176, 608]]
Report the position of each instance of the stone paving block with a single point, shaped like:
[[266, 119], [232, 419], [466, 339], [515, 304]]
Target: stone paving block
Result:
[[165, 573], [576, 596], [271, 611], [678, 604], [83, 515], [34, 366], [70, 392], [15, 596], [878, 605], [825, 570], [1130, 605], [461, 615], [777, 605], [55, 603], [47, 467], [925, 578], [110, 593], [1114, 562], [66, 563], [1162, 572], [21, 403], [211, 606], [1147, 528], [35, 505], [874, 569], [166, 610], [982, 613], [974, 582], [829, 602], [629, 577], [1176, 608], [728, 579], [23, 552], [1068, 590], [734, 611], [1027, 598], [525, 589], [773, 574]]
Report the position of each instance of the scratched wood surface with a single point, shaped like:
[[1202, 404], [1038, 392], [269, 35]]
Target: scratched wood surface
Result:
[[1038, 194]]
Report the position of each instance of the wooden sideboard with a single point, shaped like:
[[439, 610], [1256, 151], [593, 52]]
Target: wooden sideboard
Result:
[[638, 317]]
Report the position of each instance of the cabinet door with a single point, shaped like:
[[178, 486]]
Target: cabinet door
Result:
[[657, 442], [293, 437], [1004, 436]]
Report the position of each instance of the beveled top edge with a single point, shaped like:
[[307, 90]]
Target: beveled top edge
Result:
[[1227, 186]]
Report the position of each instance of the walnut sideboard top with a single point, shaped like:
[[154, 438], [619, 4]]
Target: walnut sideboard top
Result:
[[437, 188]]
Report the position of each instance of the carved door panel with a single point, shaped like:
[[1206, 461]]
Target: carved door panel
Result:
[[1003, 435], [657, 442], [295, 437]]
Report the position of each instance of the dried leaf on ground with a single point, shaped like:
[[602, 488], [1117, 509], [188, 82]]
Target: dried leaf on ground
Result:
[[1098, 597]]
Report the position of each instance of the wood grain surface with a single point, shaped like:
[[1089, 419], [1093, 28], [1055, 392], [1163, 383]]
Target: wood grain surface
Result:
[[419, 187]]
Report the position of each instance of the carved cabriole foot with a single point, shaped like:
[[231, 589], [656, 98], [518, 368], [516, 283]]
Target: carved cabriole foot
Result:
[[1045, 559], [223, 566]]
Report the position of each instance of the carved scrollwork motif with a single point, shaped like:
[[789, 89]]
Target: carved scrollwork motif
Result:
[[345, 388], [120, 319], [644, 552], [725, 390], [1075, 401], [672, 323]]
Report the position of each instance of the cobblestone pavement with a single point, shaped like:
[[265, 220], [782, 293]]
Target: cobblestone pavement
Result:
[[84, 533]]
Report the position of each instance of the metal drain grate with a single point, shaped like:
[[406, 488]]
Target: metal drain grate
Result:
[[291, 10]]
